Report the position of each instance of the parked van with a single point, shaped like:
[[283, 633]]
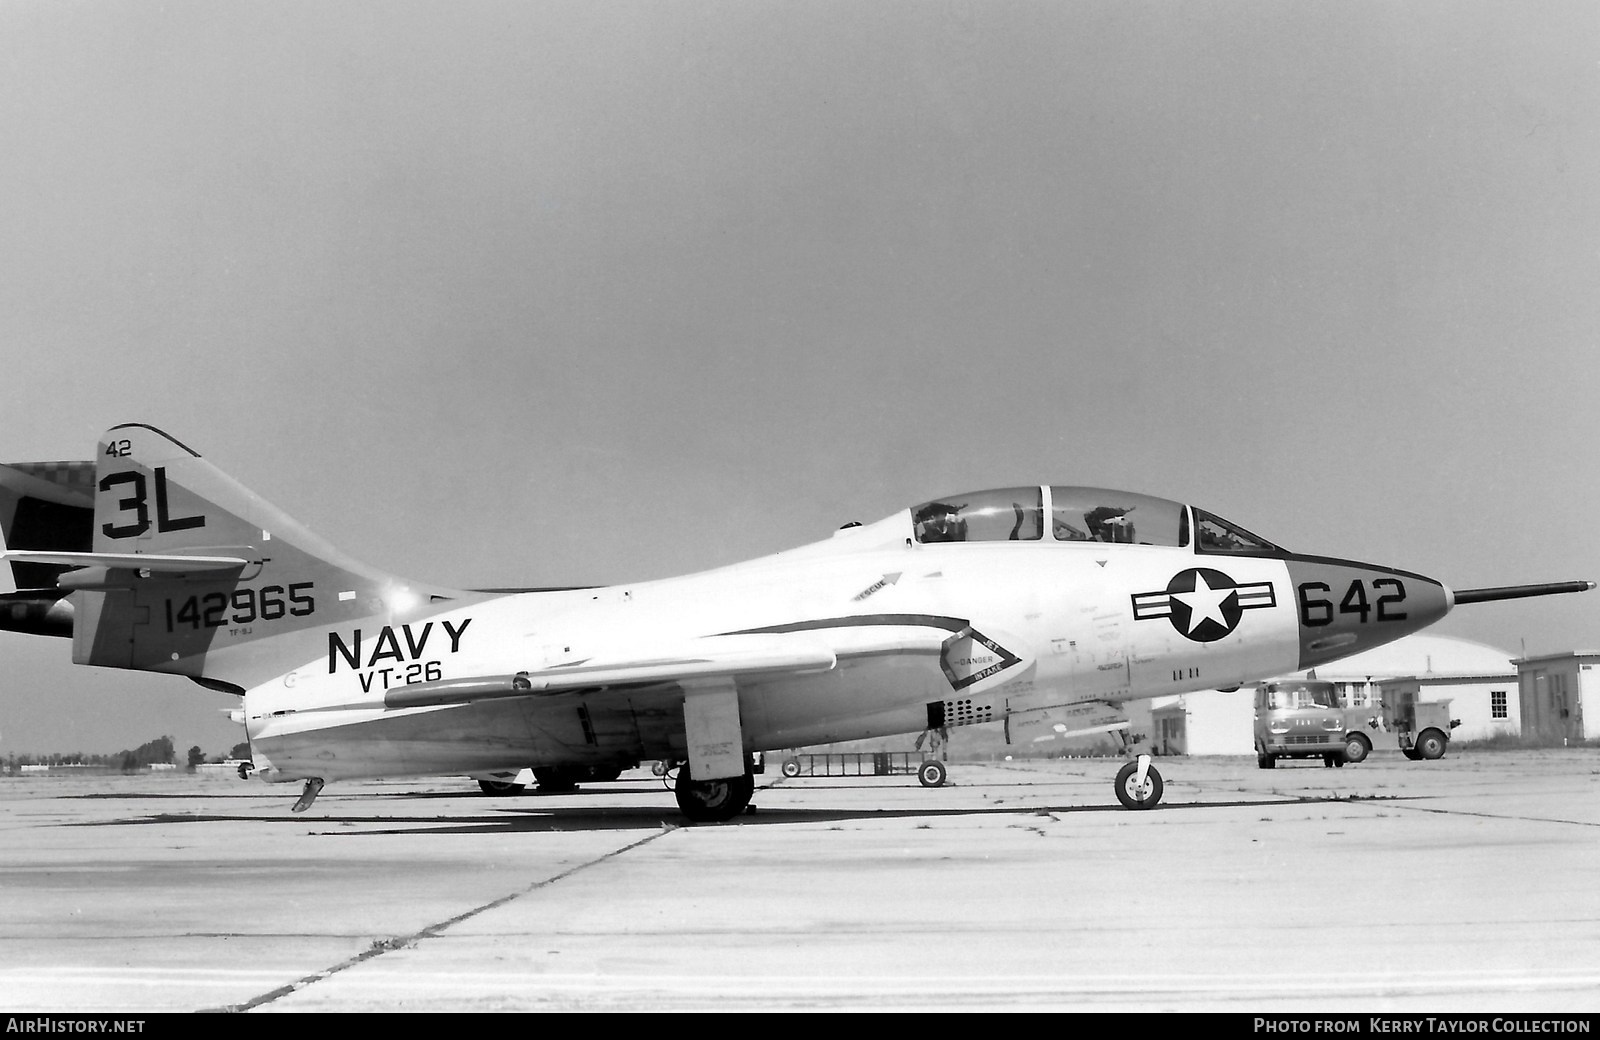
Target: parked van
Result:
[[1299, 718]]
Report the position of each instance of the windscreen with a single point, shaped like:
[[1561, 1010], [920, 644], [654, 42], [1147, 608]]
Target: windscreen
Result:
[[1281, 696], [1216, 535]]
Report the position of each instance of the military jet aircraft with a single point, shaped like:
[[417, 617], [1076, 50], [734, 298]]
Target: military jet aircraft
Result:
[[1019, 604]]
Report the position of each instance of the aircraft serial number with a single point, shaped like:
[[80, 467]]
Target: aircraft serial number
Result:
[[245, 605], [1317, 610]]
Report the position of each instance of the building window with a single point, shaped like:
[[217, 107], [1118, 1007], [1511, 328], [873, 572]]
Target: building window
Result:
[[1497, 704]]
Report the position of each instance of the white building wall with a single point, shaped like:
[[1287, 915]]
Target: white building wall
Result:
[[1221, 723], [1589, 687], [1472, 703], [1215, 723]]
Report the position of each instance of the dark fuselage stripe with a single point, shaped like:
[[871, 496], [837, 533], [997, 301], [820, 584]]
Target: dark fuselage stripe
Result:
[[948, 624]]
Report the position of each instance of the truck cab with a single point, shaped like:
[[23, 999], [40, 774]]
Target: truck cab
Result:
[[1298, 718]]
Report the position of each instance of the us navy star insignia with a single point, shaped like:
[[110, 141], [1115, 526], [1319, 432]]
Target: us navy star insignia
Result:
[[1203, 604]]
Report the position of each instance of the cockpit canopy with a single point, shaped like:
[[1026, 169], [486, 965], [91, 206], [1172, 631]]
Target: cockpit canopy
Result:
[[1079, 514]]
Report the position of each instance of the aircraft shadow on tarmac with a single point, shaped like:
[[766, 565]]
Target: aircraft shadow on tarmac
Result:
[[501, 818]]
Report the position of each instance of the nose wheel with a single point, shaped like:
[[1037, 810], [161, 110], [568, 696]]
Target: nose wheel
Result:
[[1139, 784]]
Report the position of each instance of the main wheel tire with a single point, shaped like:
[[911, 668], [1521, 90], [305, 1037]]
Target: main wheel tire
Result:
[[1356, 748], [791, 767], [1266, 761], [1133, 797], [500, 787], [931, 773], [1412, 753], [1431, 744], [713, 801]]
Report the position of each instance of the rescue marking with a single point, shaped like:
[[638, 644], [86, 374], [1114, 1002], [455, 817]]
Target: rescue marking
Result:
[[881, 583]]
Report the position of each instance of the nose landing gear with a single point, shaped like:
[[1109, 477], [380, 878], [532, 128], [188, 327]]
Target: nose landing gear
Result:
[[1139, 784]]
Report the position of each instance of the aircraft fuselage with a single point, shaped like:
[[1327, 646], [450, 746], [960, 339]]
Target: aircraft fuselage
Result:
[[923, 635]]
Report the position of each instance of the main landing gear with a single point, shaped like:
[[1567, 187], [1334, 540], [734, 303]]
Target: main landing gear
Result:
[[1139, 784], [712, 801]]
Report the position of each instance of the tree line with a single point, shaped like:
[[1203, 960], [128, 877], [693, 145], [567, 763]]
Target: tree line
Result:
[[159, 751]]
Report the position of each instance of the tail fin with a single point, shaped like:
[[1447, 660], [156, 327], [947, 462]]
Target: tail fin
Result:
[[191, 573]]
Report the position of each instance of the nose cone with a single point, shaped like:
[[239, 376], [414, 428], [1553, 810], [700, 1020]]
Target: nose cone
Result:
[[1345, 608]]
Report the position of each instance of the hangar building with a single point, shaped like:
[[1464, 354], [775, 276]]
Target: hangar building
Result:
[[1481, 683]]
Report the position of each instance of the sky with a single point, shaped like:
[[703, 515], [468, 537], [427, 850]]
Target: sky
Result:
[[560, 293]]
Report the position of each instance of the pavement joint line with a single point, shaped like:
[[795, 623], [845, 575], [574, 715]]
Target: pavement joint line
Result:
[[383, 946], [1492, 816]]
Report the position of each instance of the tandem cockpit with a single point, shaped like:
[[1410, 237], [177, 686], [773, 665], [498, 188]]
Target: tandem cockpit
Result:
[[1080, 515]]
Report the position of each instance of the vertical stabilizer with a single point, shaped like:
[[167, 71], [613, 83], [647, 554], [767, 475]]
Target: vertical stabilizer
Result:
[[260, 611]]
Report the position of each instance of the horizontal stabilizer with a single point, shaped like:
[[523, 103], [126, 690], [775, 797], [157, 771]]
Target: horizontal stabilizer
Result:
[[164, 565], [718, 657], [102, 570]]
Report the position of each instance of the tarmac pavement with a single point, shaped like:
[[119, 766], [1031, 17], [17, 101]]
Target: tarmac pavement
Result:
[[1465, 885]]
